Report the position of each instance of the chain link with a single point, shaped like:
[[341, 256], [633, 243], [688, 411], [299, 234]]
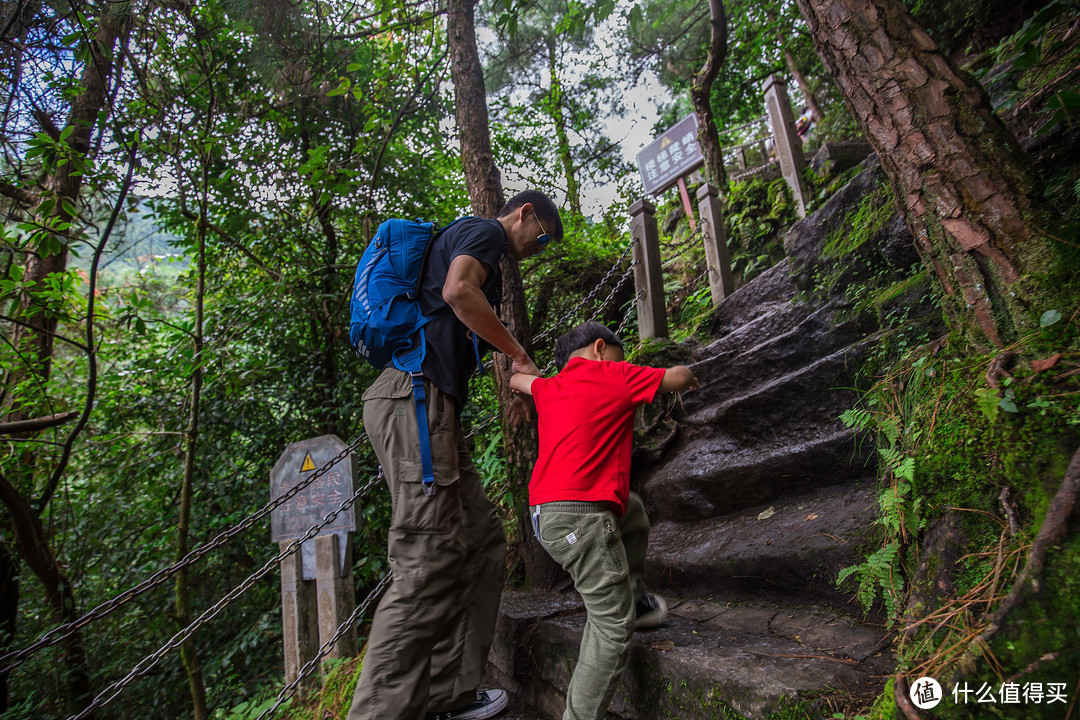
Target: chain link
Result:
[[144, 665], [555, 326], [58, 634], [309, 667]]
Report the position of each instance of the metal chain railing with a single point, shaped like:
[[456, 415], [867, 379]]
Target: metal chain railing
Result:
[[143, 666], [61, 632], [603, 281], [309, 667]]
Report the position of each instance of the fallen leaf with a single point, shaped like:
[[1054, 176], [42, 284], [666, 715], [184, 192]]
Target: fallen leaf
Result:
[[766, 514], [811, 516], [663, 646], [1041, 365]]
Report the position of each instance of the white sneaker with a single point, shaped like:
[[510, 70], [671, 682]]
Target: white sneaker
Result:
[[488, 703]]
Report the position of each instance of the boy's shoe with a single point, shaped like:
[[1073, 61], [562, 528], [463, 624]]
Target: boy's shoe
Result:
[[651, 612], [489, 703]]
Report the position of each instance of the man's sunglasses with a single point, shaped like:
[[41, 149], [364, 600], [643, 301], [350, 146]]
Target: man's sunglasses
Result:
[[543, 239]]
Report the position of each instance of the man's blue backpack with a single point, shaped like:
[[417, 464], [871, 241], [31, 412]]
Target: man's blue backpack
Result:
[[387, 324]]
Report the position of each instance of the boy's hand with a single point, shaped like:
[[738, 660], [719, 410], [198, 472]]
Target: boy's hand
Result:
[[678, 379], [521, 408]]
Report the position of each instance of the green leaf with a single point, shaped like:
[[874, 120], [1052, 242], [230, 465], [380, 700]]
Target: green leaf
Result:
[[1007, 403], [1049, 318]]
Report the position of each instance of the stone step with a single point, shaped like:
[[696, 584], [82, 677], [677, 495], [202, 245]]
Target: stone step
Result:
[[712, 659], [715, 473], [796, 545]]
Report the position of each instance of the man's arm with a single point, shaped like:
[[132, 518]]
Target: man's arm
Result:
[[677, 379], [462, 292], [522, 383]]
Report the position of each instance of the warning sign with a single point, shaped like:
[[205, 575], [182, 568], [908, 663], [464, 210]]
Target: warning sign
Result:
[[671, 156], [316, 498]]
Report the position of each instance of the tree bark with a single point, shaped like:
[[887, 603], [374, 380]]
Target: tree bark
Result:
[[968, 193], [701, 97], [65, 184], [32, 543], [485, 194]]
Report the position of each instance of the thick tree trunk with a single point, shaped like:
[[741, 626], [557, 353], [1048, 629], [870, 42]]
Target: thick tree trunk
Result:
[[9, 605], [31, 540], [485, 193], [701, 97], [966, 189]]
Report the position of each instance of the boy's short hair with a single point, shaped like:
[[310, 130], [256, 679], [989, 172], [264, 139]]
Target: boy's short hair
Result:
[[543, 207], [582, 336]]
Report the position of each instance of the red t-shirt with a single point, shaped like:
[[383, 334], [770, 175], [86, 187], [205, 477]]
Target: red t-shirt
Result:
[[586, 416]]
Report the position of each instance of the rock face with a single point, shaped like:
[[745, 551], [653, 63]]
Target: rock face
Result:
[[758, 497]]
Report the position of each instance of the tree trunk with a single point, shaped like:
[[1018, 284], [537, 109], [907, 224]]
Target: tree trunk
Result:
[[968, 193], [558, 117], [189, 656], [65, 184], [31, 540], [485, 193], [793, 68], [804, 88], [9, 605], [701, 97]]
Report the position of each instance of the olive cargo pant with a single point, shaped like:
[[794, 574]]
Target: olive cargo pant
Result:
[[605, 556], [433, 628]]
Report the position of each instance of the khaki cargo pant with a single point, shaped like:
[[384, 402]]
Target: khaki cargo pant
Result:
[[605, 556], [433, 628]]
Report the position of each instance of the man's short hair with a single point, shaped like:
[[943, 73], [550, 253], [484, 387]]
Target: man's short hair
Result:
[[582, 336], [543, 207]]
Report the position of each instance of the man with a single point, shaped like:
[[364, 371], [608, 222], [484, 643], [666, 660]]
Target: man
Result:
[[431, 633]]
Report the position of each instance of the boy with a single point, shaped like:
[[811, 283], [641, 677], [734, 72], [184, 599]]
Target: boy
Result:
[[583, 511]]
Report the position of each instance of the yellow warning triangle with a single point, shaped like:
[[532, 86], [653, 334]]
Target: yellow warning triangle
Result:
[[308, 464], [665, 142]]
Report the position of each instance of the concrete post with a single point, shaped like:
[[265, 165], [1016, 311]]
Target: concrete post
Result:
[[788, 144], [740, 157], [721, 281], [337, 597], [648, 275], [299, 622]]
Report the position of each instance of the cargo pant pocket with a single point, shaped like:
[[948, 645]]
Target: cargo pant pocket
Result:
[[415, 512]]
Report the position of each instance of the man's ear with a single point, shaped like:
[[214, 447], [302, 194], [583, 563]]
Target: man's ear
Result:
[[598, 348]]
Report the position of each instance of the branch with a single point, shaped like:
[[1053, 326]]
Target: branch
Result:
[[41, 423], [1054, 527], [19, 195], [233, 242]]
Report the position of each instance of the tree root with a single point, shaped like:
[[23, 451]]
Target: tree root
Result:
[[903, 702], [1054, 528]]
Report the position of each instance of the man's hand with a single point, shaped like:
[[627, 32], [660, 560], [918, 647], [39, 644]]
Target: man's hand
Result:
[[526, 366]]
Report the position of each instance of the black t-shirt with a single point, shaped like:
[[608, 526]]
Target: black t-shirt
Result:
[[450, 357]]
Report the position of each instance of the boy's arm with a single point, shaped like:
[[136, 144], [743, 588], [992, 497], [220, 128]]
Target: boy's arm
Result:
[[676, 379], [522, 383]]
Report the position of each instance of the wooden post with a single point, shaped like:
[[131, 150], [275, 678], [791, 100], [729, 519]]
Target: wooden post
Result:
[[788, 143], [299, 624], [721, 281], [740, 157], [648, 276], [337, 598]]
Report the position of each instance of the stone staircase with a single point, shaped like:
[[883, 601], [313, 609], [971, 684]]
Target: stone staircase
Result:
[[758, 498]]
